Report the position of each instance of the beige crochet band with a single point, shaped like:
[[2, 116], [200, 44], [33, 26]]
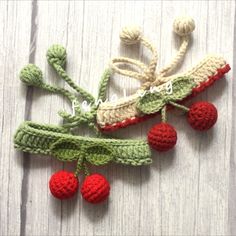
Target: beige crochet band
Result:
[[113, 115]]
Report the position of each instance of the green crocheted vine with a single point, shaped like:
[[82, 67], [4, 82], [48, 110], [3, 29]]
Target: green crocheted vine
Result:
[[154, 101], [59, 141], [56, 56]]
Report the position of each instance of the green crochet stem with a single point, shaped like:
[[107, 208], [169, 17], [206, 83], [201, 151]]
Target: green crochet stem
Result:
[[178, 106], [57, 141], [103, 85], [81, 166], [56, 56], [181, 107], [85, 169], [163, 114]]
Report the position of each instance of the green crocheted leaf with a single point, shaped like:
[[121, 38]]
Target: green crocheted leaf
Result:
[[98, 154], [151, 102], [65, 150], [181, 88]]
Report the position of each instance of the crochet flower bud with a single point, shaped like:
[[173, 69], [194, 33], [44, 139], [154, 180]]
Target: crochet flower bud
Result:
[[130, 35], [56, 54], [31, 75], [183, 25]]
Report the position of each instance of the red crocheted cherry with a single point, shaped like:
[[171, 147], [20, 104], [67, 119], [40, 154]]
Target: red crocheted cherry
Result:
[[63, 184], [95, 188], [162, 137], [202, 115]]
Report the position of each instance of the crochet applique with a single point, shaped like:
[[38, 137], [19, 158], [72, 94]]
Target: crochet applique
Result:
[[60, 141], [135, 108], [153, 102]]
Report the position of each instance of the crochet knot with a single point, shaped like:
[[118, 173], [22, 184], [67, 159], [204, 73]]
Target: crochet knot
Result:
[[63, 185], [202, 115], [130, 35], [183, 25], [56, 54], [162, 137], [31, 75], [95, 188]]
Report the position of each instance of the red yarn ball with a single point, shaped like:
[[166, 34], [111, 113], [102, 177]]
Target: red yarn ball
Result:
[[162, 137], [95, 188], [202, 115], [63, 184]]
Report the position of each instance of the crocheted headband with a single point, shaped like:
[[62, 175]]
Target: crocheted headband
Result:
[[157, 93], [60, 142], [159, 90]]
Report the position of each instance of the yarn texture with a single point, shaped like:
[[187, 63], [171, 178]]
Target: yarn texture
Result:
[[153, 102], [162, 137], [135, 108], [95, 188], [183, 25], [202, 115], [130, 35], [63, 185], [62, 142], [57, 141], [160, 91], [31, 75], [56, 54]]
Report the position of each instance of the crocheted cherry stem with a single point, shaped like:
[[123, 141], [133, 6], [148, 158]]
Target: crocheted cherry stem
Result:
[[56, 56], [181, 107], [85, 169], [162, 137], [63, 185], [163, 114], [81, 166]]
